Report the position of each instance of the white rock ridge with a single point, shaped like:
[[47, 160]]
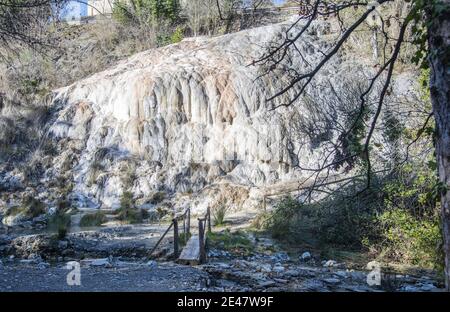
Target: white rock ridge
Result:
[[180, 118]]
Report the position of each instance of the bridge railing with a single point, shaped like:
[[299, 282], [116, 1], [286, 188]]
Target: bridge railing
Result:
[[203, 224], [185, 218]]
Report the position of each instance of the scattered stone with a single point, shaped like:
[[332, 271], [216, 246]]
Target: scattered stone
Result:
[[278, 268], [292, 273], [330, 263], [373, 265], [357, 275], [428, 287], [43, 265], [152, 264], [306, 256], [314, 285], [266, 284], [280, 280], [267, 268], [35, 257], [409, 288], [341, 274], [96, 262], [281, 257], [63, 245], [332, 281], [225, 283], [222, 265], [216, 253]]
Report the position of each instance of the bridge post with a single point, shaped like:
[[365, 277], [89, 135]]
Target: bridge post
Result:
[[209, 219], [201, 240], [175, 237], [188, 226]]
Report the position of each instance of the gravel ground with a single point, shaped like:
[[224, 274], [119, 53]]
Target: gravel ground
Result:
[[131, 277]]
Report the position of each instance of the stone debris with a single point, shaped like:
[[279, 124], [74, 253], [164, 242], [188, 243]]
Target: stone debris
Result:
[[152, 264], [306, 256], [332, 281], [43, 265], [332, 264], [95, 262]]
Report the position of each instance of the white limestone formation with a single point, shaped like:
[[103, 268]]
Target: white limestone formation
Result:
[[186, 117]]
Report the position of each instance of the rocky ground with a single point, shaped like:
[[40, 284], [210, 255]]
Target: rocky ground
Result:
[[274, 273], [97, 276], [117, 259], [280, 273], [126, 241]]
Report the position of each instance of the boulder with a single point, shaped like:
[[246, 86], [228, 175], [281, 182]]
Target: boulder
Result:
[[43, 265], [332, 281], [330, 263], [152, 264], [306, 256]]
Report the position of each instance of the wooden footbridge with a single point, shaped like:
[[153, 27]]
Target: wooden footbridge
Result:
[[194, 250]]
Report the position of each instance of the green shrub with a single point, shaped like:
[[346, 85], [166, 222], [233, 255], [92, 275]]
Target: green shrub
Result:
[[166, 38], [348, 219], [62, 204], [30, 208], [128, 175], [95, 169], [183, 238], [233, 242], [157, 197], [62, 232], [145, 11], [127, 212], [412, 240], [60, 223], [260, 221], [218, 214], [120, 12], [93, 219], [410, 224], [280, 220], [126, 201], [132, 215], [344, 219], [162, 212], [177, 35]]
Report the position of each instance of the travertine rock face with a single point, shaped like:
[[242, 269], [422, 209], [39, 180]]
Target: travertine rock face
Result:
[[180, 118]]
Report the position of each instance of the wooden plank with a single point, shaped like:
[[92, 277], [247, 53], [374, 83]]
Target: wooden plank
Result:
[[191, 252]]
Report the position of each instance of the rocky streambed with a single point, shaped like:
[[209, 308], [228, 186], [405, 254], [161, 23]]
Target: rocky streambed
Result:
[[279, 273], [117, 259]]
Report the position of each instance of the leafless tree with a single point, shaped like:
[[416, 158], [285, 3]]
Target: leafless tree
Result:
[[22, 23], [229, 10], [429, 23]]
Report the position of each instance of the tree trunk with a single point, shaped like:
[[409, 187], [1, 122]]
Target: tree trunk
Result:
[[439, 46]]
